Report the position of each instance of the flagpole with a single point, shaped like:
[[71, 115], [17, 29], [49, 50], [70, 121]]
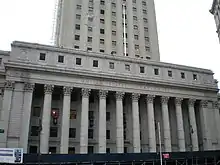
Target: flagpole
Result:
[[161, 159], [124, 28]]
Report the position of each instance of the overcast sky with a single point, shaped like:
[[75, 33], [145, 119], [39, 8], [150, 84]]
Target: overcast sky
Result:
[[187, 32]]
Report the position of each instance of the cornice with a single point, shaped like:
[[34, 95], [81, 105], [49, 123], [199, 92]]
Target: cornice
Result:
[[5, 53], [107, 56], [111, 76]]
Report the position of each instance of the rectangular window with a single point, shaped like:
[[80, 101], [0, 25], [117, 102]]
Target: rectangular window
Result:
[[170, 73], [78, 61], [90, 19], [60, 59], [89, 49], [108, 134], [182, 75], [114, 14], [145, 11], [36, 111], [77, 27], [71, 150], [77, 37], [135, 27], [90, 149], [52, 150], [136, 37], [90, 29], [147, 39], [147, 49], [76, 47], [101, 50], [95, 63], [125, 149], [194, 76], [102, 21], [144, 3], [102, 2], [42, 56], [90, 133], [156, 71], [89, 39], [113, 43], [127, 67], [111, 65], [134, 18], [145, 29], [78, 7], [134, 9], [108, 150], [136, 47], [145, 20], [53, 131], [141, 69], [102, 11], [72, 132], [113, 5], [113, 23], [102, 41], [134, 1], [72, 112], [78, 17], [34, 130], [108, 116], [114, 33], [102, 31]]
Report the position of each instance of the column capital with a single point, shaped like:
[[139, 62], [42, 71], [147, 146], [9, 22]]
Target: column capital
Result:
[[204, 103], [119, 95], [135, 96], [85, 92], [150, 98], [164, 99], [215, 104], [29, 87], [192, 102], [103, 94], [9, 85], [67, 90], [178, 100], [48, 89]]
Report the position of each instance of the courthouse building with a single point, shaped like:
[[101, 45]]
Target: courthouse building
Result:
[[85, 95]]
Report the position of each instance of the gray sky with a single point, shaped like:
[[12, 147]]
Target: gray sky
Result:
[[187, 32]]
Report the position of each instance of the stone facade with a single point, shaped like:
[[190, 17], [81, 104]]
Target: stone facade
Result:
[[215, 11], [104, 103]]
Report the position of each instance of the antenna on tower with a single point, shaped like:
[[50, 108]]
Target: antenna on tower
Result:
[[54, 22]]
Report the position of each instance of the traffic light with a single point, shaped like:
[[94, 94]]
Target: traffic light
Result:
[[55, 116]]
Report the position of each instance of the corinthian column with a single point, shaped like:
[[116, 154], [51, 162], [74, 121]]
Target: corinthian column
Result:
[[166, 124], [102, 121], [151, 123], [44, 136], [207, 140], [217, 121], [119, 122], [180, 129], [136, 123], [7, 100], [64, 144], [84, 121], [192, 120], [28, 93]]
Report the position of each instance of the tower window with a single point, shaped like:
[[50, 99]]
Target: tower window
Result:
[[145, 20], [42, 56], [170, 73], [90, 29], [101, 50], [102, 41], [127, 67], [113, 43], [102, 11], [89, 39], [182, 75], [113, 5], [78, 7], [102, 2], [147, 49], [89, 49], [113, 23], [135, 27], [141, 69], [145, 11], [102, 21], [136, 47], [114, 33], [156, 71], [102, 31], [76, 47], [144, 3], [60, 59], [78, 16], [95, 63], [136, 37], [77, 27], [78, 61], [135, 18], [194, 76], [113, 13]]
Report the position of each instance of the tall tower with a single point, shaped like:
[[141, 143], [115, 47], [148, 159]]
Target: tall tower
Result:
[[97, 26]]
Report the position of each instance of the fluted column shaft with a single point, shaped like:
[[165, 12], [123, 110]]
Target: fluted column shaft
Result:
[[151, 123], [166, 124], [207, 140], [28, 94], [119, 123], [180, 128], [44, 136], [7, 99], [136, 123], [119, 28], [84, 121], [217, 121], [192, 120], [102, 121], [64, 144]]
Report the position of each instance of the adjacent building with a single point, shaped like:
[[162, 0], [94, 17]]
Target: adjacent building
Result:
[[215, 10]]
